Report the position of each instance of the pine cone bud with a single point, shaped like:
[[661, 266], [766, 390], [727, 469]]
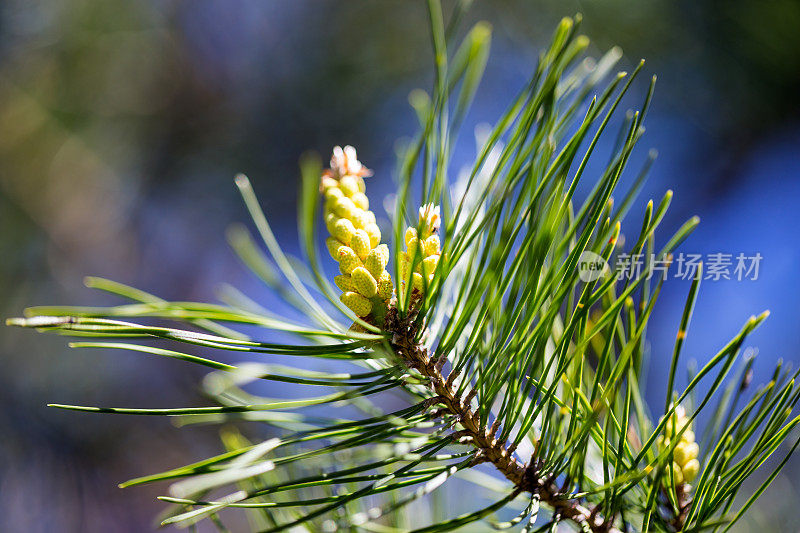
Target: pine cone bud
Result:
[[418, 263], [357, 303], [355, 237], [685, 465], [364, 283]]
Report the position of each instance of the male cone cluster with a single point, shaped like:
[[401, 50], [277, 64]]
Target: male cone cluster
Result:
[[355, 237], [685, 465], [418, 262]]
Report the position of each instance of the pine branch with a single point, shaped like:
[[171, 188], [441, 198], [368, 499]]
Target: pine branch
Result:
[[491, 312], [525, 478]]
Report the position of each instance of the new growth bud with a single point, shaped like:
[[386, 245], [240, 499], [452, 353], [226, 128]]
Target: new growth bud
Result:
[[355, 237], [685, 465], [418, 263]]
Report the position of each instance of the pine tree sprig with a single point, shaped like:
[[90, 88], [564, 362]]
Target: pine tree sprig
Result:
[[477, 319]]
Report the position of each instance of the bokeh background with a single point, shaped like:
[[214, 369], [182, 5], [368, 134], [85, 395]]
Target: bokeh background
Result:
[[123, 123]]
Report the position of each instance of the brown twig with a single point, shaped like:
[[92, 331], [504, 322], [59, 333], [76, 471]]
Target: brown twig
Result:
[[684, 500], [490, 449]]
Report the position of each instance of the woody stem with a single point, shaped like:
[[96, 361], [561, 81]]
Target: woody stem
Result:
[[524, 478]]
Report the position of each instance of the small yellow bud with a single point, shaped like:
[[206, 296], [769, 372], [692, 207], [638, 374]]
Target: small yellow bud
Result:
[[364, 283], [360, 243], [344, 230], [677, 474], [690, 470], [330, 222], [383, 251], [333, 246], [348, 185], [688, 436], [369, 217], [360, 219], [679, 454], [362, 187], [374, 234], [361, 200], [431, 245], [332, 194], [417, 282], [328, 182], [357, 303], [685, 452], [344, 207], [411, 249], [376, 260], [385, 285], [411, 234], [429, 265], [345, 283], [331, 199], [348, 260], [676, 422]]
